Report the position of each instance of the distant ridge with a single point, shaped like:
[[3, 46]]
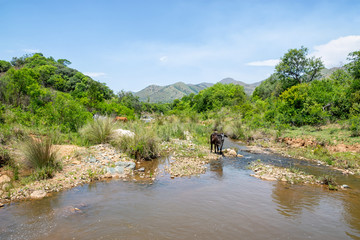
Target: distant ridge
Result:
[[248, 88], [169, 93]]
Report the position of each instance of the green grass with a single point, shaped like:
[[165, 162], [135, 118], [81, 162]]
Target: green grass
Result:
[[329, 134]]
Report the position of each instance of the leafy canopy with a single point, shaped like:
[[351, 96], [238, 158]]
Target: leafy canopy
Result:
[[295, 68]]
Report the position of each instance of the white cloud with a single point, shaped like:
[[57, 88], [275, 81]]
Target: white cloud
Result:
[[95, 74], [31, 50], [265, 63], [335, 52], [163, 59]]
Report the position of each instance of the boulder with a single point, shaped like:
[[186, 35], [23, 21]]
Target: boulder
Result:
[[119, 169], [122, 132], [38, 194], [5, 186], [128, 165], [4, 179], [232, 153]]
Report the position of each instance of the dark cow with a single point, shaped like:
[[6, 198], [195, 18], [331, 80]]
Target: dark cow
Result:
[[217, 139]]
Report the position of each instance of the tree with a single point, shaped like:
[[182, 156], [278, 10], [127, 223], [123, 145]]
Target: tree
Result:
[[354, 65], [295, 68], [4, 66], [354, 89], [64, 62], [269, 87]]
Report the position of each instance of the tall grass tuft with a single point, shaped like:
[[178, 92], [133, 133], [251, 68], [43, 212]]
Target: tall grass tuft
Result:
[[99, 130], [144, 145], [4, 157], [235, 130], [41, 156]]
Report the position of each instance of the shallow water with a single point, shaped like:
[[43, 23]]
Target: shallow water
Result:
[[224, 203]]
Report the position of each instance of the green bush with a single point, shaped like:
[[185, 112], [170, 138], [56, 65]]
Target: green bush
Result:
[[354, 127], [44, 173], [99, 130]]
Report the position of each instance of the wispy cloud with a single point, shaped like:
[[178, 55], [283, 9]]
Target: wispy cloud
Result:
[[335, 52], [163, 59], [31, 50], [265, 63], [95, 74]]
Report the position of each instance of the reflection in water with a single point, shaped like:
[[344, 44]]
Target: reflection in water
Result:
[[224, 203], [217, 167], [352, 212], [292, 199]]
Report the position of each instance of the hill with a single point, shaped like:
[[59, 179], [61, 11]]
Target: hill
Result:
[[249, 88], [154, 93], [169, 93]]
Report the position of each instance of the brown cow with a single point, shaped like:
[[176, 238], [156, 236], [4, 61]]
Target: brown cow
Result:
[[123, 119]]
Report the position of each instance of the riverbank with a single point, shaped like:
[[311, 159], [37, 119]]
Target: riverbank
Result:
[[83, 165], [330, 145]]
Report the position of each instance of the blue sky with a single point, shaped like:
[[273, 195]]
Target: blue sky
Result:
[[130, 44]]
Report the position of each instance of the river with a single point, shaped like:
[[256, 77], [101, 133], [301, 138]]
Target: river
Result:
[[224, 203]]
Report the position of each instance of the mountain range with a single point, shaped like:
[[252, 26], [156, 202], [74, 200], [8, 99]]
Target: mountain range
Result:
[[169, 93]]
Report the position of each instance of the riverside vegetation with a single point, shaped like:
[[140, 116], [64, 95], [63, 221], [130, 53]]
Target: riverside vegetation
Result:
[[47, 130]]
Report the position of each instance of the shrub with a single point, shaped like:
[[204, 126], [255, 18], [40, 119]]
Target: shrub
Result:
[[99, 130], [44, 173], [354, 123], [41, 156], [328, 180]]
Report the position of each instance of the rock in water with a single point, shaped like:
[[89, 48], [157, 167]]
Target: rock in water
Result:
[[232, 153], [128, 165], [38, 194], [142, 169]]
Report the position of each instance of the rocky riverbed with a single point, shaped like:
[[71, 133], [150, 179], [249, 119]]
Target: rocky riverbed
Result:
[[80, 165], [102, 162]]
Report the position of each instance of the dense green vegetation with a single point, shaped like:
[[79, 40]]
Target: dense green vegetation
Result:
[[44, 97], [36, 91]]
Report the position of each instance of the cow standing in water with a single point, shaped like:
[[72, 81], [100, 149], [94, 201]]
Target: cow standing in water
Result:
[[217, 139]]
